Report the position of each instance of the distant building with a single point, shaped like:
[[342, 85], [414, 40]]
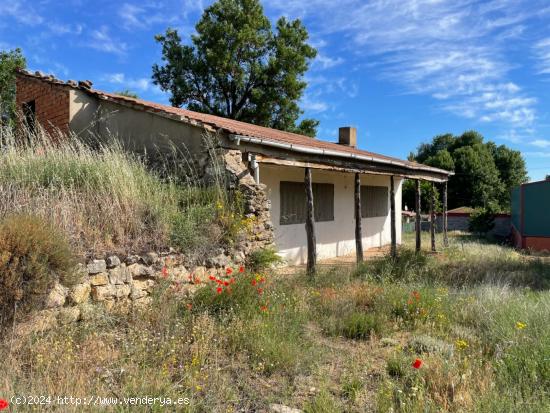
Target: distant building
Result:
[[531, 215]]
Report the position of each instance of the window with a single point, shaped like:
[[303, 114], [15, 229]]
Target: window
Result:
[[374, 201], [29, 111], [293, 202]]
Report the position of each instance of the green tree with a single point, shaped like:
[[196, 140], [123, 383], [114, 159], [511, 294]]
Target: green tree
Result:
[[512, 171], [476, 181], [10, 61], [238, 67], [484, 172]]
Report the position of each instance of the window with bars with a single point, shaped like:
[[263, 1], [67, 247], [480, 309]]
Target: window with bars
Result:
[[374, 201], [293, 202]]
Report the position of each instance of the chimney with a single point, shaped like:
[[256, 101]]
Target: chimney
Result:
[[347, 135]]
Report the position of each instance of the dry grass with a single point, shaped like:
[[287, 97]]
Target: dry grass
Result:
[[106, 200], [227, 352]]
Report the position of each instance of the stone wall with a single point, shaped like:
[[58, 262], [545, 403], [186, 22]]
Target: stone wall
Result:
[[121, 284]]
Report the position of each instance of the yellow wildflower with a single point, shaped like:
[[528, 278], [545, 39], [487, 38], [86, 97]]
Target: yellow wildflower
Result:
[[461, 344], [520, 325]]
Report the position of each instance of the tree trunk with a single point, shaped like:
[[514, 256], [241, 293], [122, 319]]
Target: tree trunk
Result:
[[358, 230], [418, 224], [392, 218], [432, 217], [310, 225], [445, 223]]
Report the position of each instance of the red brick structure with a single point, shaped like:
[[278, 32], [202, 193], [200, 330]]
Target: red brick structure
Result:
[[49, 102]]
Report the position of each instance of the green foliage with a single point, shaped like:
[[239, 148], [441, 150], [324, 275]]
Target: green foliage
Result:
[[361, 325], [33, 255], [128, 93], [484, 173], [263, 259], [238, 67], [10, 61], [482, 221]]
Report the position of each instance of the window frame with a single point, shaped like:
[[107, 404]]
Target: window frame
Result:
[[323, 208], [370, 206]]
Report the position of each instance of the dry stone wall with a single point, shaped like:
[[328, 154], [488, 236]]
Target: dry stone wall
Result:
[[115, 283]]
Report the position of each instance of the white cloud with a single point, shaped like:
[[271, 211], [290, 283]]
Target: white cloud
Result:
[[102, 40], [135, 85], [149, 13], [541, 143], [455, 52], [326, 62], [542, 54], [538, 154], [22, 11], [61, 29]]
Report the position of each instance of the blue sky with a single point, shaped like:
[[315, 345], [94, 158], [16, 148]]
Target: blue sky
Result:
[[401, 71]]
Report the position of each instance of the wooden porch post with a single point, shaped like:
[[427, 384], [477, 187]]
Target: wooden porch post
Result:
[[418, 224], [358, 230], [445, 223], [432, 217], [310, 226], [392, 219]]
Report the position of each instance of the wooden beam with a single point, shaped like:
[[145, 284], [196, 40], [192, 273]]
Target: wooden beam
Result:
[[445, 223], [418, 223], [276, 158], [310, 225], [392, 218], [432, 217], [358, 229]]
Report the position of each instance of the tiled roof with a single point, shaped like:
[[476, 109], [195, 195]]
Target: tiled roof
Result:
[[236, 127], [461, 210]]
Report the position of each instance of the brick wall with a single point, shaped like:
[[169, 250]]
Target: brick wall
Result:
[[51, 102]]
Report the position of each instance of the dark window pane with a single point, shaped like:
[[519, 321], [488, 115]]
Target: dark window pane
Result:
[[374, 201], [293, 202]]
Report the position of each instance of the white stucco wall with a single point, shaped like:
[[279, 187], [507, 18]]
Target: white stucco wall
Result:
[[334, 238], [136, 129]]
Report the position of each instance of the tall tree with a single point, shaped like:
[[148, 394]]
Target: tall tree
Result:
[[484, 172], [9, 62], [512, 171], [238, 67]]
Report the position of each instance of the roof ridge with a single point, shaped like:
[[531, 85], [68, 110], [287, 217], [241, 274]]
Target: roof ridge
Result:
[[236, 127]]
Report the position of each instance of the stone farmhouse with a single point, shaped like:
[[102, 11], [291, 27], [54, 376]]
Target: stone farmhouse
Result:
[[313, 199]]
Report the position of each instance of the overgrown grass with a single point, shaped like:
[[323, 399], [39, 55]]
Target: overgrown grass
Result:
[[107, 200], [345, 341]]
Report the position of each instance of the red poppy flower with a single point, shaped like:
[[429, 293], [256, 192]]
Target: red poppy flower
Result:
[[220, 282], [219, 290], [416, 295], [241, 269], [254, 282], [229, 271], [263, 308], [226, 283], [3, 404], [417, 363], [189, 306], [164, 272], [260, 291], [262, 280], [212, 277]]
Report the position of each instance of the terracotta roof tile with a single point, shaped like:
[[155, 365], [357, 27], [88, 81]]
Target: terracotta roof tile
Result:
[[233, 126]]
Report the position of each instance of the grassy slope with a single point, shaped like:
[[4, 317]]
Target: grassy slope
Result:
[[344, 342]]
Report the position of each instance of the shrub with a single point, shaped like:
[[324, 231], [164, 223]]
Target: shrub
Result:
[[358, 325], [263, 259], [33, 254], [482, 221]]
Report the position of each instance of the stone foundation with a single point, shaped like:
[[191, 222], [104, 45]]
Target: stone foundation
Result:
[[122, 284]]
